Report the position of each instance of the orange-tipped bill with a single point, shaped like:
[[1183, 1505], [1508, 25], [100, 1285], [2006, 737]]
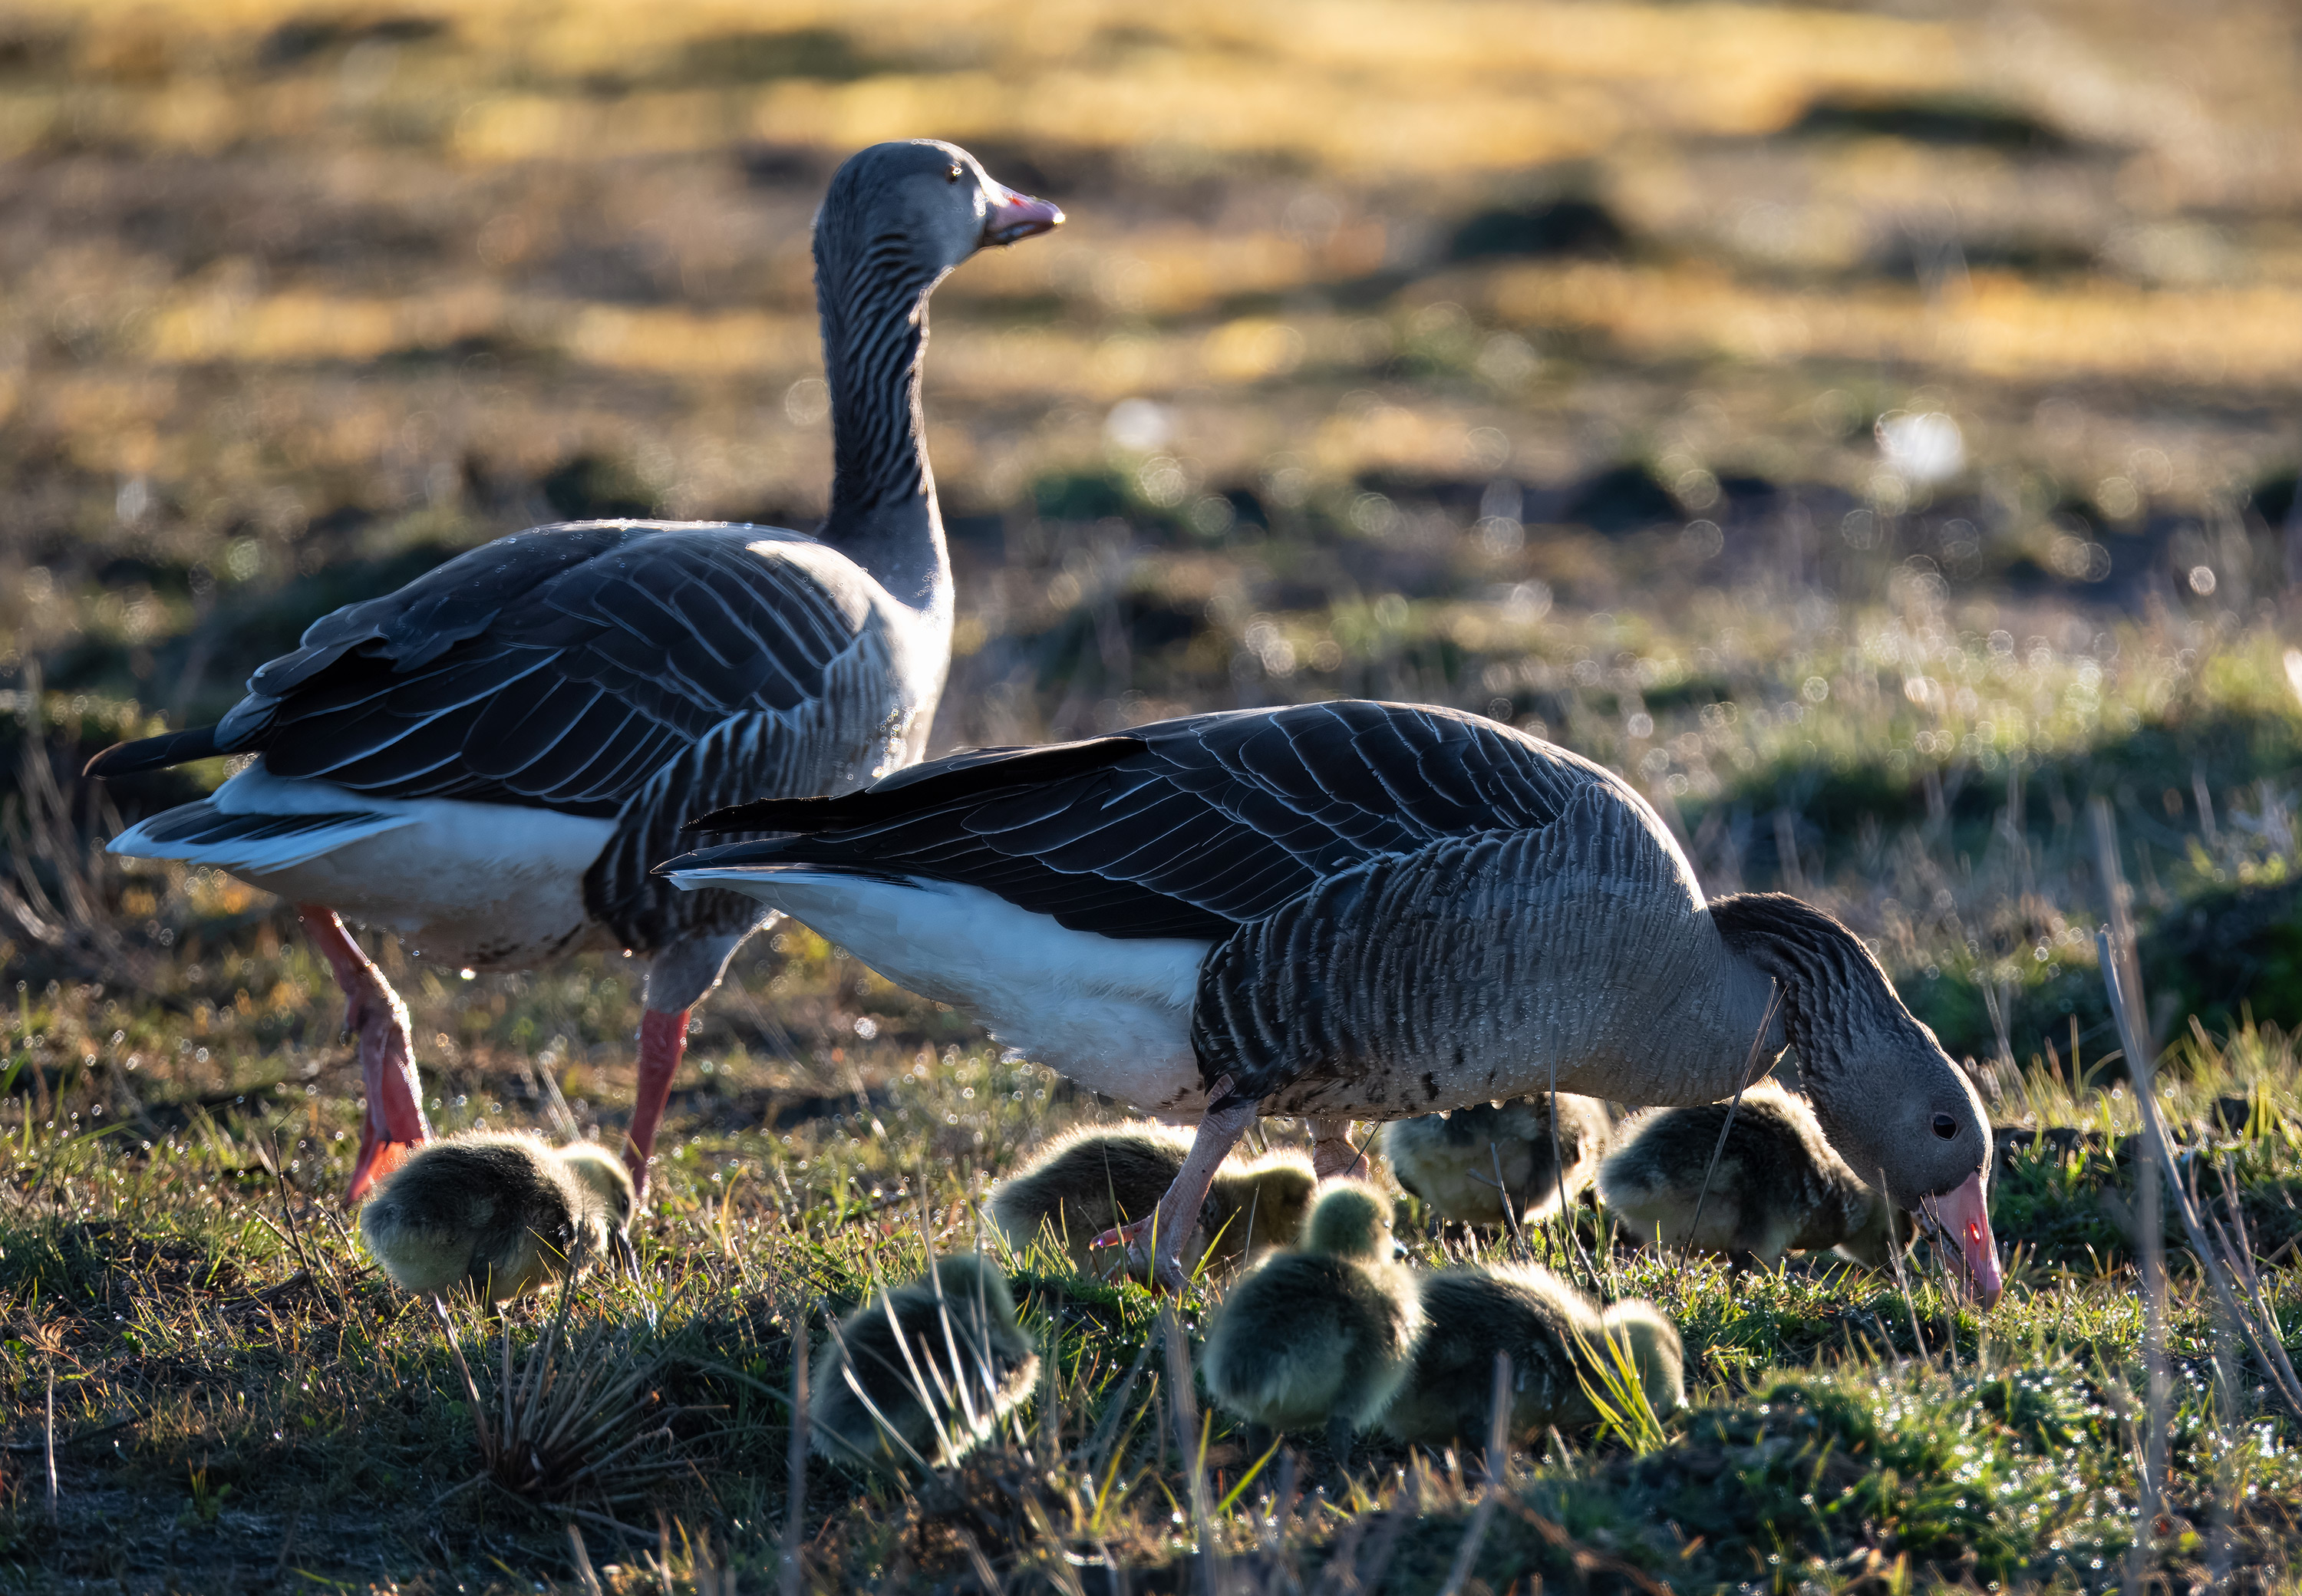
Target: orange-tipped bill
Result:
[[1014, 217], [1963, 1213]]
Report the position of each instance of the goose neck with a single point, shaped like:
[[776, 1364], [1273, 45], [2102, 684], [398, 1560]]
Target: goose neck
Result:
[[884, 513], [1827, 980]]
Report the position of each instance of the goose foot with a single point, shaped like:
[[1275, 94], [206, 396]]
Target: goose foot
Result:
[[394, 1125], [663, 1042], [1159, 1240], [1332, 1152]]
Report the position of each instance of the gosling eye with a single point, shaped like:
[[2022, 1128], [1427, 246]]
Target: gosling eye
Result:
[[1945, 1127], [955, 174]]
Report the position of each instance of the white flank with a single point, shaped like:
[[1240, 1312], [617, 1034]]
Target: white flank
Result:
[[476, 884], [1113, 1015]]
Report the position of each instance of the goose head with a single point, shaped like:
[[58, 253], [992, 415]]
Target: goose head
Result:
[[912, 210], [1889, 1099]]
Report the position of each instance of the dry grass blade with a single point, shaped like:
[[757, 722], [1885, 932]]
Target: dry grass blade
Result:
[[55, 892], [2224, 1256], [1191, 1441], [568, 1415], [1466, 1556], [794, 1578], [585, 1577]]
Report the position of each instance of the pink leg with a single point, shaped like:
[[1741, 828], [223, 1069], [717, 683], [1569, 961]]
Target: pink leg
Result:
[[1332, 1153], [663, 1040], [374, 1013], [1171, 1224]]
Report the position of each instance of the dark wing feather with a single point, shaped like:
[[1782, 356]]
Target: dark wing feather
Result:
[[1185, 828], [561, 667]]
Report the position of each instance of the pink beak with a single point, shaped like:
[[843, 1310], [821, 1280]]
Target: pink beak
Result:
[[1963, 1215], [1016, 216]]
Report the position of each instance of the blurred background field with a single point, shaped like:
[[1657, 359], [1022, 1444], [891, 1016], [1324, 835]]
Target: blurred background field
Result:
[[1872, 429]]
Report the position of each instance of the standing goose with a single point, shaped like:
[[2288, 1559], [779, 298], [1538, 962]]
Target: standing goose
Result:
[[1354, 909], [487, 761]]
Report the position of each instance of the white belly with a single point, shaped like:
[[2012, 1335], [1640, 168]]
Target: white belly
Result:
[[1114, 1016], [485, 884]]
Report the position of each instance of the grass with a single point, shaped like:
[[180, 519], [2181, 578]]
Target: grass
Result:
[[1537, 361]]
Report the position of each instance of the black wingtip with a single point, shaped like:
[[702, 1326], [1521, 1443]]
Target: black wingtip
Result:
[[154, 753], [952, 780]]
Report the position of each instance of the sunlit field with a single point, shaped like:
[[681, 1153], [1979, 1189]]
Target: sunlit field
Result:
[[1872, 431]]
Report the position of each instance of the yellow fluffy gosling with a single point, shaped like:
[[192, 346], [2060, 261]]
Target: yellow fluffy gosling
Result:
[[1319, 1337], [923, 1371], [1778, 1186], [1097, 1178], [1454, 1161], [498, 1215], [1551, 1332]]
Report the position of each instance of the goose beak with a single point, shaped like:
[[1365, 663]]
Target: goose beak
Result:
[[1963, 1216], [1014, 217]]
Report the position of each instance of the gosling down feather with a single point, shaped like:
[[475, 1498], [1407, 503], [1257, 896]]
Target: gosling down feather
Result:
[[1778, 1186], [487, 761], [1554, 1335], [1319, 1337], [1353, 909], [1493, 1163], [499, 1215], [1094, 1179], [922, 1373]]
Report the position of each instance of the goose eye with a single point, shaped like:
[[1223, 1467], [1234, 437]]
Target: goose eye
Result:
[[955, 174], [1945, 1127]]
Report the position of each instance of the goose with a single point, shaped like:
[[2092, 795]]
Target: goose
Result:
[[486, 761], [1778, 1186], [1320, 1336], [1353, 909], [499, 1215], [923, 1371], [1553, 1333], [1099, 1176], [1493, 1163]]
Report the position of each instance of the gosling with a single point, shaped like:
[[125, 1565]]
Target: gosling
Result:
[[1492, 1163], [922, 1373], [1095, 1180], [1779, 1187], [1559, 1342], [1323, 1335], [499, 1215]]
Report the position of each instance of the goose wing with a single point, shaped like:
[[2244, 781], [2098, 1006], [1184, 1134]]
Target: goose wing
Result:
[[1185, 828], [558, 667]]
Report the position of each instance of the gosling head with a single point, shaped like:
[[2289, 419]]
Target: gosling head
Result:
[[1351, 1220], [1655, 1351], [604, 1175]]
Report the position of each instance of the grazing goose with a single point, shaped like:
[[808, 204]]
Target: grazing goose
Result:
[[487, 761], [1553, 1334], [1493, 1163], [1778, 1186], [1353, 909], [1320, 1336], [499, 1215], [1095, 1178], [926, 1370]]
